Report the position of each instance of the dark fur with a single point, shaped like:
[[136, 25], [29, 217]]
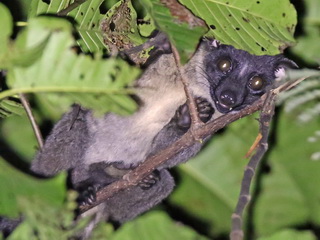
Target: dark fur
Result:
[[99, 151]]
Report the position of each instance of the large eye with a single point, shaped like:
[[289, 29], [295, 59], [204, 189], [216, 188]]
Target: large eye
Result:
[[224, 65], [256, 83]]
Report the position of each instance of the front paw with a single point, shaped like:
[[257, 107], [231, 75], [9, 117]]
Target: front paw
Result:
[[205, 112], [205, 109], [150, 180], [89, 195]]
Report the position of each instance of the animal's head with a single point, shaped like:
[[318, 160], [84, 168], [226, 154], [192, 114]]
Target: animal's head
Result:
[[238, 78]]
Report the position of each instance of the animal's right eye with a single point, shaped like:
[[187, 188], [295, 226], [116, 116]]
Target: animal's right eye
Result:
[[224, 65]]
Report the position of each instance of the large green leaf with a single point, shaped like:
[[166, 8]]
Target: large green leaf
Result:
[[155, 225], [259, 27], [42, 203], [16, 186], [210, 183], [66, 77], [290, 195]]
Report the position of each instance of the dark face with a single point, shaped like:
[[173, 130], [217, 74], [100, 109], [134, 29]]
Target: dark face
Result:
[[237, 78]]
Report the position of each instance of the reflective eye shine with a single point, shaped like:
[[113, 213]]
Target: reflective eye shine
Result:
[[256, 83], [224, 65]]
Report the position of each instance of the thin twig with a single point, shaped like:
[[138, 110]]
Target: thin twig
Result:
[[266, 115], [134, 176], [72, 6], [190, 100], [34, 125], [253, 146]]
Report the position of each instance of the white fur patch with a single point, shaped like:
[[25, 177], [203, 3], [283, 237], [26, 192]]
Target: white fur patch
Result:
[[280, 73], [215, 43]]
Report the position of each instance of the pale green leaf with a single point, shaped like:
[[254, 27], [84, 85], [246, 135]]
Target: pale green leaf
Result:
[[66, 77], [6, 31]]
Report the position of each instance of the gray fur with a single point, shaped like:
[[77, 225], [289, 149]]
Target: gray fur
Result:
[[116, 144]]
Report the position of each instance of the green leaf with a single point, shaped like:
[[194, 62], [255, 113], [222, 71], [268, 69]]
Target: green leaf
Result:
[[308, 44], [259, 27], [9, 107], [214, 176], [22, 142], [42, 203], [16, 186], [303, 101], [6, 31], [175, 30], [289, 195], [291, 234], [66, 77], [87, 17], [52, 7], [155, 225]]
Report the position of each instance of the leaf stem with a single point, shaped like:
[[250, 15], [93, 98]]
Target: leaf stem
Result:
[[34, 124], [15, 91]]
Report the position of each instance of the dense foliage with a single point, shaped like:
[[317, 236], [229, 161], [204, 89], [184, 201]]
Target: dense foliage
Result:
[[58, 57]]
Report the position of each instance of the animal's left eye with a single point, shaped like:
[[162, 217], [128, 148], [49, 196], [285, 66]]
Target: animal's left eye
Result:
[[256, 83], [224, 65]]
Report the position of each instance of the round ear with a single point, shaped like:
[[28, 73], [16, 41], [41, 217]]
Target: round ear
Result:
[[211, 43], [286, 63], [215, 43], [281, 65]]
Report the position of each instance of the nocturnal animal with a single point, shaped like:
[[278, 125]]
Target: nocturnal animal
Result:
[[100, 150]]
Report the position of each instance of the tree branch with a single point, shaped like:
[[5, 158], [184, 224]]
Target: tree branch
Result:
[[190, 100], [134, 176], [267, 112], [266, 115]]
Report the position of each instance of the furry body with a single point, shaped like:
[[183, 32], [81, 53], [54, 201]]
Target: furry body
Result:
[[99, 151]]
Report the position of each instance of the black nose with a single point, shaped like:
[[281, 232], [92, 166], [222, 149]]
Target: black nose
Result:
[[228, 99]]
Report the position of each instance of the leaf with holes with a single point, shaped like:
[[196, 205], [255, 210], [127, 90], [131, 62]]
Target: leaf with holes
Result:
[[259, 27]]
